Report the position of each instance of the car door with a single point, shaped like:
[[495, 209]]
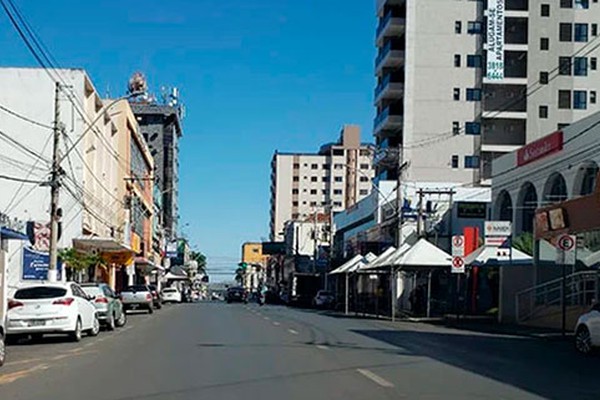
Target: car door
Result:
[[594, 324], [86, 308]]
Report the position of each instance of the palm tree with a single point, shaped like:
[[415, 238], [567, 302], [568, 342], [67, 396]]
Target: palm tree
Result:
[[200, 259], [239, 275]]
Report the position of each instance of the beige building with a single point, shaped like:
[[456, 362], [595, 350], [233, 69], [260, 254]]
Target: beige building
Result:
[[335, 178]]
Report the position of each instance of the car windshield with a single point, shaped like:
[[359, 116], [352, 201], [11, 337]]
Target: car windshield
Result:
[[92, 290], [169, 290], [136, 288], [40, 292]]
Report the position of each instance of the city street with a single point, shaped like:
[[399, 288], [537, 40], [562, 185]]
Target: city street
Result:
[[220, 351]]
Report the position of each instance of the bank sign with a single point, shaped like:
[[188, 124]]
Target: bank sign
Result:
[[495, 40], [540, 148]]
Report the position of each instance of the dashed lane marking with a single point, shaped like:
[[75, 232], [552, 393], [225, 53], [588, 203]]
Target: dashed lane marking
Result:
[[375, 378], [322, 347], [276, 323], [293, 332]]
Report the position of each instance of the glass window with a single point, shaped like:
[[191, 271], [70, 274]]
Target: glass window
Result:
[[566, 3], [543, 112], [593, 97], [544, 43], [582, 4], [581, 32], [326, 166], [40, 292], [455, 128], [295, 191], [325, 179], [456, 94], [471, 161], [473, 94], [337, 191], [564, 65], [296, 165], [338, 179], [363, 192], [545, 11], [324, 191], [580, 67], [474, 27], [593, 63], [338, 152], [313, 203], [364, 179], [474, 61], [454, 161], [457, 27], [544, 77], [314, 166], [594, 29], [313, 191], [473, 128], [564, 99], [565, 32], [313, 179], [337, 203], [338, 166], [294, 204], [457, 60], [579, 99], [296, 178], [364, 166]]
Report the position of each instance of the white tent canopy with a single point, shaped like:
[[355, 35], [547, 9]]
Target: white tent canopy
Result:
[[421, 254], [381, 259], [361, 264], [488, 256], [347, 265]]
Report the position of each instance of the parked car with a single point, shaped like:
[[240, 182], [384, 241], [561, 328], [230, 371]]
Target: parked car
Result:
[[171, 295], [323, 299], [237, 294], [587, 330], [51, 308], [2, 343], [137, 297], [156, 297], [108, 305]]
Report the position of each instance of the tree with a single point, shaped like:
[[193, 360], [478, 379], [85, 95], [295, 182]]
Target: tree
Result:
[[524, 242], [239, 275], [76, 260], [200, 259]]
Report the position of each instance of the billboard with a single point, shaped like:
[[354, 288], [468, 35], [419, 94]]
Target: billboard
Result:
[[495, 40], [35, 264]]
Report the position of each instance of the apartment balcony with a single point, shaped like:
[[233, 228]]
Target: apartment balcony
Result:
[[387, 89], [388, 122], [389, 25], [382, 3], [388, 57]]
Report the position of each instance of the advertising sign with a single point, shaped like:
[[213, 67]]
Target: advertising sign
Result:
[[497, 228], [35, 264], [540, 148], [172, 250], [495, 40], [475, 210]]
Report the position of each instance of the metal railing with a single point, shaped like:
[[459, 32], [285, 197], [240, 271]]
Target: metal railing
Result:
[[581, 289]]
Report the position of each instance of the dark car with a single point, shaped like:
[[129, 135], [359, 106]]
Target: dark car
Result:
[[237, 294], [156, 297]]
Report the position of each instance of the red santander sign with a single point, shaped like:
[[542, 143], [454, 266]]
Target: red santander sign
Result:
[[541, 148]]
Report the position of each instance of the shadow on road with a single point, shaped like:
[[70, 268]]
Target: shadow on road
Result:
[[549, 369]]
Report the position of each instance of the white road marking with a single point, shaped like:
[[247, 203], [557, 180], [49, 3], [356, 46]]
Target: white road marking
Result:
[[322, 347], [293, 332], [276, 323], [375, 378], [266, 318]]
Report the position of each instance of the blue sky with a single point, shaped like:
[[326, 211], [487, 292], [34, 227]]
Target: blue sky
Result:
[[255, 76]]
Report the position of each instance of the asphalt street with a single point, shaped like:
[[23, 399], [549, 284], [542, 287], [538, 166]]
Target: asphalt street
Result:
[[220, 351]]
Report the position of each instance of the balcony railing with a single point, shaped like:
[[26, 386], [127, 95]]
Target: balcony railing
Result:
[[384, 22], [383, 52], [390, 25], [388, 57], [384, 82], [387, 119], [388, 88]]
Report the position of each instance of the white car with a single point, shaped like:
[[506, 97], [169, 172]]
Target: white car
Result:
[[587, 330], [171, 295], [51, 308]]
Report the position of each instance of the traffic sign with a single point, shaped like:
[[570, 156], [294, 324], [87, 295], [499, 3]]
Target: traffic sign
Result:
[[458, 265], [566, 250], [458, 245]]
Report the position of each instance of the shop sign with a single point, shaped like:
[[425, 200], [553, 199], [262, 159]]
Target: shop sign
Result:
[[474, 210], [495, 40], [498, 228], [118, 257], [136, 242], [36, 263], [541, 148]]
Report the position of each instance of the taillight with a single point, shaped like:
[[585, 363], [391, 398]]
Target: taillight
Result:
[[149, 297], [14, 304], [64, 302], [101, 300]]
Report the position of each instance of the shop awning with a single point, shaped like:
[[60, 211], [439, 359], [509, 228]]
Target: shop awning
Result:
[[7, 233], [100, 244], [147, 265], [347, 265], [422, 254], [176, 273], [379, 260], [491, 256]]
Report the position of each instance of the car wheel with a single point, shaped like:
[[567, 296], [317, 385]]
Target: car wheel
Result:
[[36, 337], [75, 335], [583, 340], [110, 322], [2, 350], [122, 320], [95, 327], [150, 310]]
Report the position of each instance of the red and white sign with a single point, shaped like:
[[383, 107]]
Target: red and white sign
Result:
[[541, 148], [495, 241], [458, 265], [458, 245]]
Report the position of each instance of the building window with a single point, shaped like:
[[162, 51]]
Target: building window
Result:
[[365, 152], [545, 11], [294, 204], [457, 27], [364, 179], [582, 4], [455, 128], [593, 97], [295, 191], [337, 203], [564, 99], [314, 166], [313, 179], [543, 112], [581, 32], [295, 216], [564, 65], [338, 179], [296, 179], [313, 203], [474, 61], [593, 63], [580, 67], [594, 29], [338, 152], [325, 179], [473, 94], [579, 99], [457, 60], [363, 192], [296, 166], [313, 191], [454, 161], [338, 166], [474, 27], [561, 126], [337, 191], [326, 166], [471, 161], [565, 32], [306, 165], [364, 166], [566, 3], [324, 191], [473, 128], [543, 77], [544, 44], [456, 94]]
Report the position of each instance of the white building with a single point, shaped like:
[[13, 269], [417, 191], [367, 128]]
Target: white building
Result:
[[450, 111], [333, 179]]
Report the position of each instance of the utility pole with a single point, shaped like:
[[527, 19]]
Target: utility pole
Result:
[[315, 243], [54, 190], [420, 213], [399, 238]]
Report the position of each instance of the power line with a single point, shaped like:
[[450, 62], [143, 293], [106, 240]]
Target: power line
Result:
[[16, 179], [24, 118], [7, 138]]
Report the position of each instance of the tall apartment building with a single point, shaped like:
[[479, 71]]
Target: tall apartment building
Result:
[[335, 178], [161, 128], [452, 107]]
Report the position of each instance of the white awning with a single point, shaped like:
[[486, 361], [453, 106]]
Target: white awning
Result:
[[381, 259], [347, 265], [102, 244], [489, 256], [422, 254]]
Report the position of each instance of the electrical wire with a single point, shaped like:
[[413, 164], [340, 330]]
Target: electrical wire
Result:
[[17, 179], [24, 118]]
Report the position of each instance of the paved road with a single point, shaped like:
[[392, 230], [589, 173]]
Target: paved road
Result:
[[220, 351]]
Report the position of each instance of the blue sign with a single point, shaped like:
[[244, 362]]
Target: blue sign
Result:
[[35, 264]]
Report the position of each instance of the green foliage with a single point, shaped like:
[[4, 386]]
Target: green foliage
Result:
[[524, 242], [200, 259], [239, 275], [78, 260]]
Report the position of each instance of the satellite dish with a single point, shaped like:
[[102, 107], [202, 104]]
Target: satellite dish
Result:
[[137, 83]]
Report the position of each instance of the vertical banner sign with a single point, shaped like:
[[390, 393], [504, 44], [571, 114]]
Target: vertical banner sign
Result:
[[495, 40], [458, 253]]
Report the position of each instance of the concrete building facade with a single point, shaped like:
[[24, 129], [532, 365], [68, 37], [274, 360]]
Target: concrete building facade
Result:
[[305, 184]]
